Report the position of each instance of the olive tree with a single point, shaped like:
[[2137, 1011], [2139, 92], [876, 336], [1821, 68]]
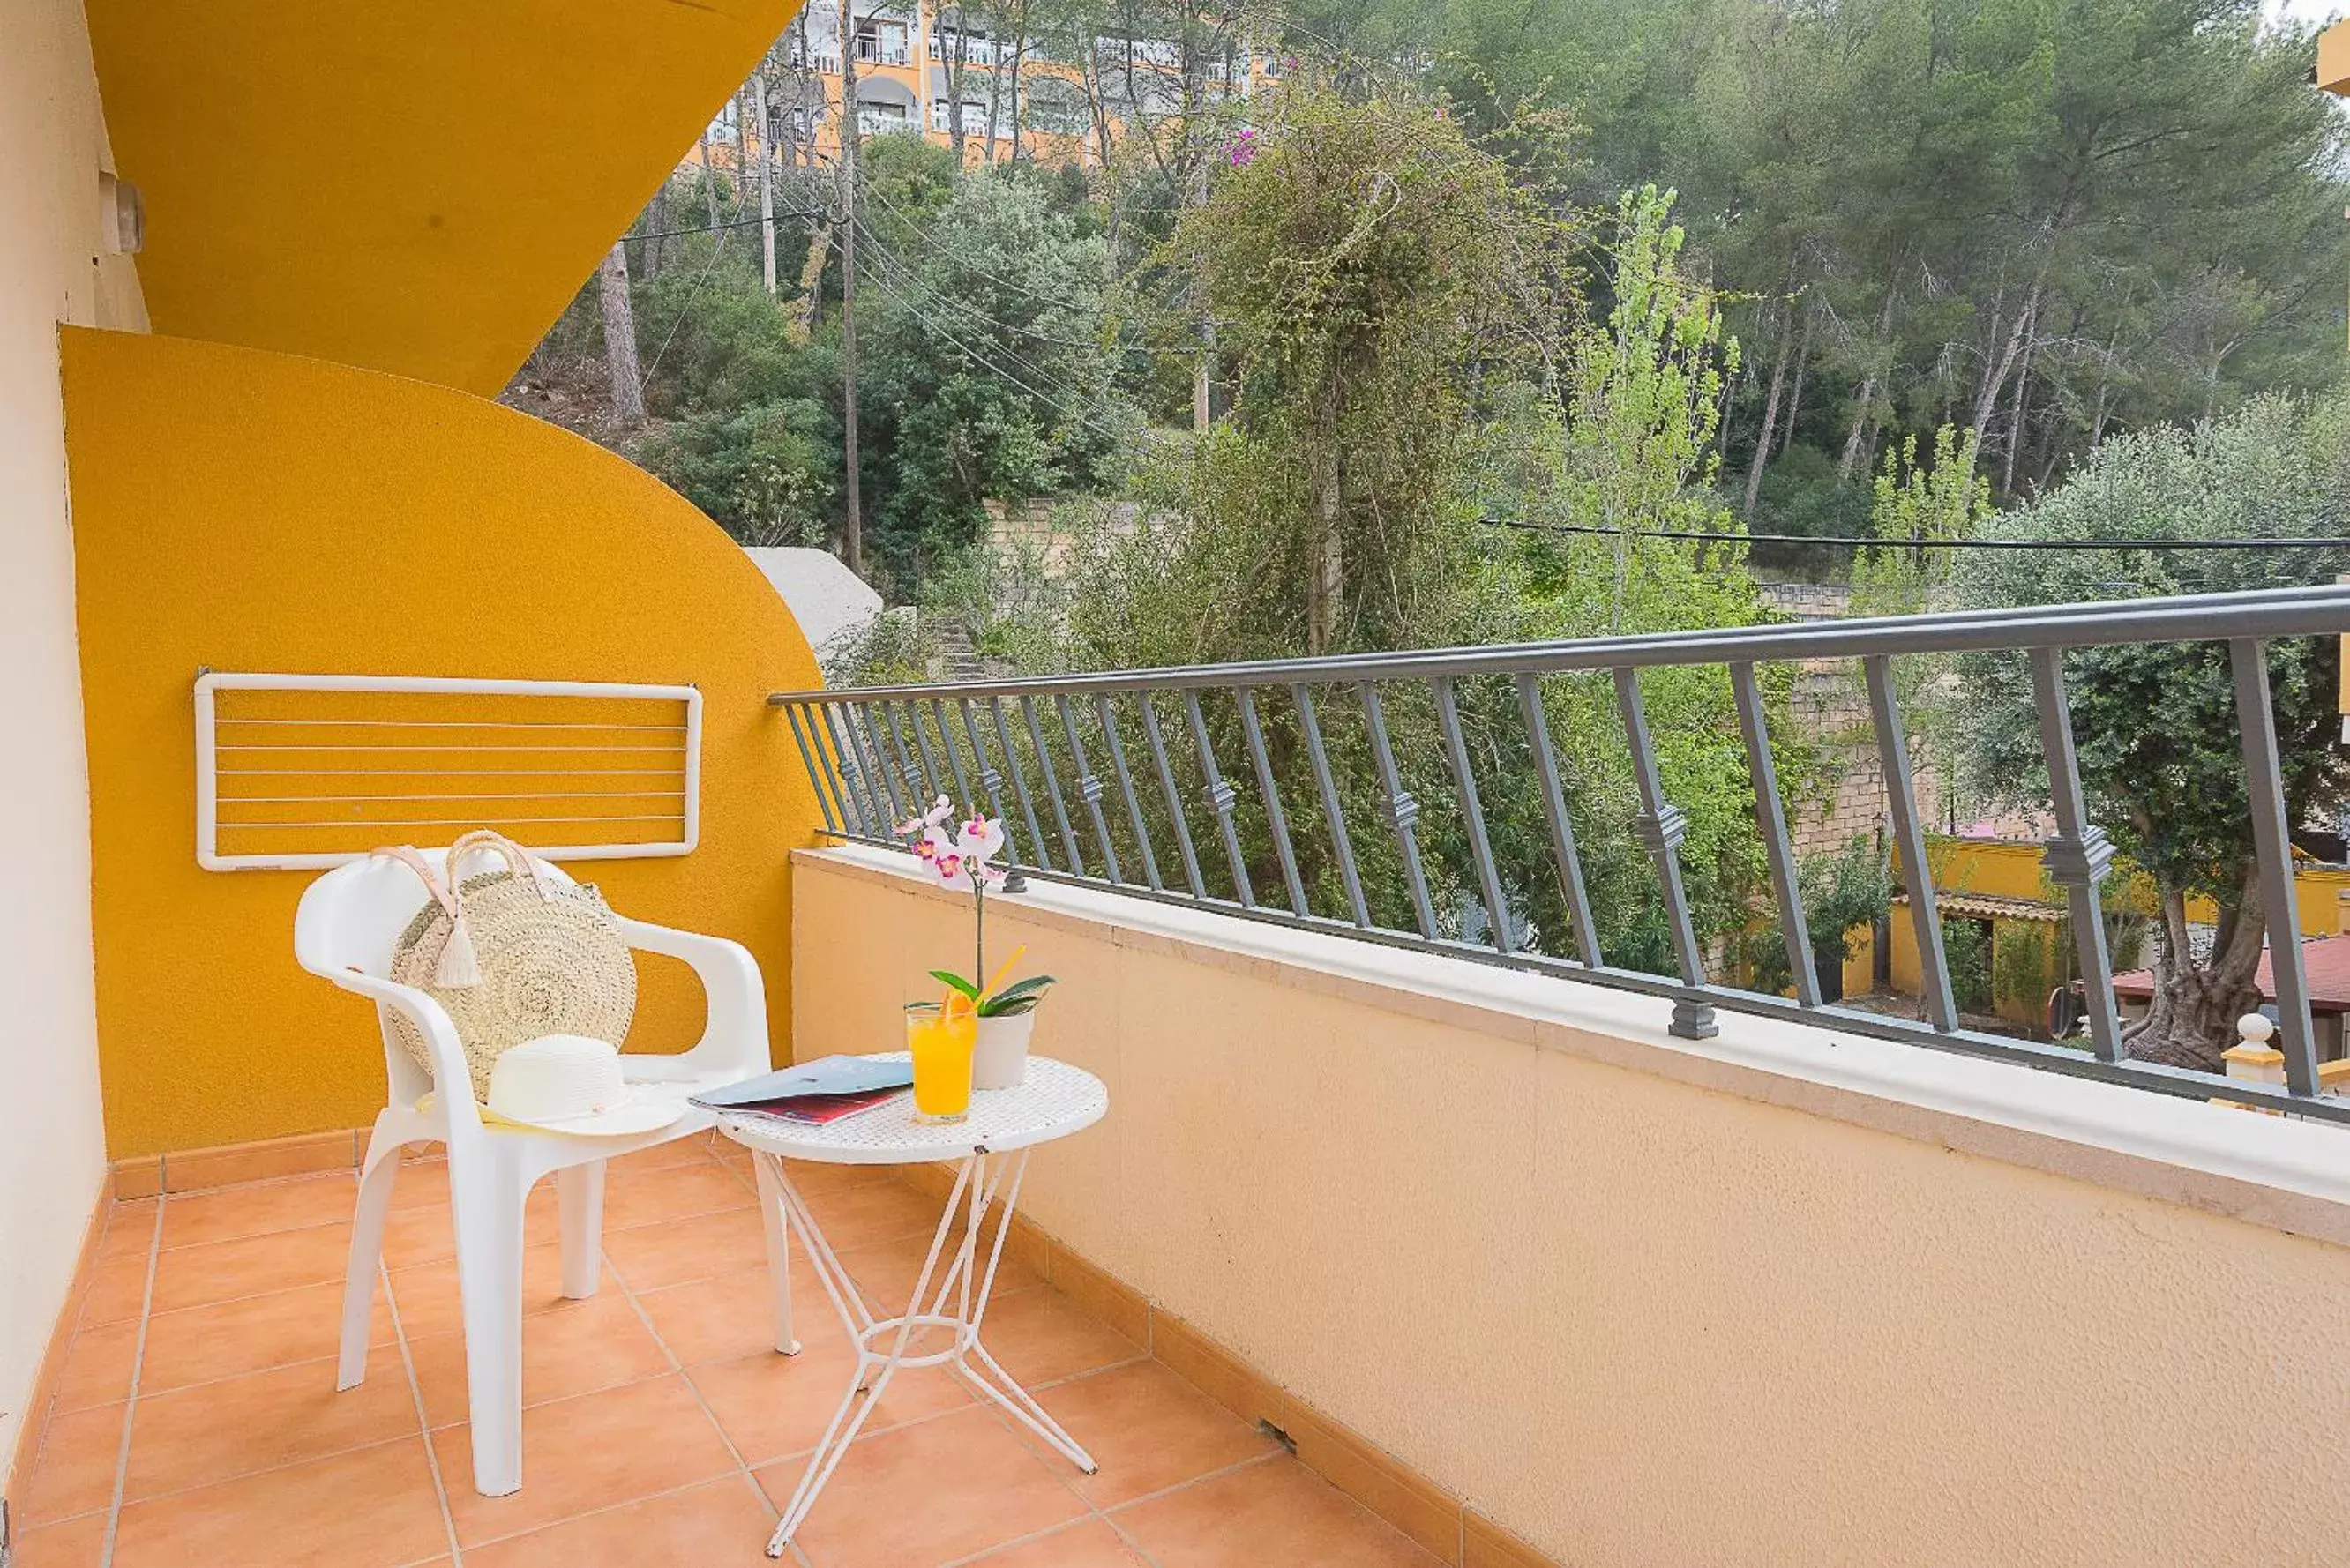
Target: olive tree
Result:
[[2160, 752]]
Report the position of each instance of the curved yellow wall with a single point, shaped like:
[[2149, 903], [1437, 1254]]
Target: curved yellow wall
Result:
[[252, 510]]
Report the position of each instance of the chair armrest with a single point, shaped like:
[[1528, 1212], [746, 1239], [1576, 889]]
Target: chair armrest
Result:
[[451, 1073], [736, 1035]]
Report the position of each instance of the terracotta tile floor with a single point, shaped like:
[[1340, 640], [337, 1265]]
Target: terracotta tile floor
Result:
[[196, 1421]]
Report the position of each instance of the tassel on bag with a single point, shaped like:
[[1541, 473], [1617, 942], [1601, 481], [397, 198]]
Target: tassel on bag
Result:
[[458, 968]]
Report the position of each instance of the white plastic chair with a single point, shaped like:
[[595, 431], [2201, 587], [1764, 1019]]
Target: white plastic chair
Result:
[[344, 931]]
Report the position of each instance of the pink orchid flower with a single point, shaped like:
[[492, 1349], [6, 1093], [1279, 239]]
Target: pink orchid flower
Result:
[[940, 809], [962, 857], [968, 858]]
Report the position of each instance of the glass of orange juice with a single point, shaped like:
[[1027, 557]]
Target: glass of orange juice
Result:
[[940, 1044]]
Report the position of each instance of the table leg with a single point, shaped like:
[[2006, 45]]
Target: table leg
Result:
[[994, 1383], [776, 1216], [867, 1387], [964, 1283]]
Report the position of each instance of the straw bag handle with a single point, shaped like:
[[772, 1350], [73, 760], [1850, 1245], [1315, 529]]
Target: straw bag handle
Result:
[[442, 894], [517, 858], [458, 967]]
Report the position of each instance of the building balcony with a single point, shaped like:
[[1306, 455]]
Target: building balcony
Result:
[[1382, 1257], [1423, 1227], [1393, 1249]]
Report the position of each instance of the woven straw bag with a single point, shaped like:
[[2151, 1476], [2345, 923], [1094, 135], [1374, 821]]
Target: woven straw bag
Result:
[[511, 956]]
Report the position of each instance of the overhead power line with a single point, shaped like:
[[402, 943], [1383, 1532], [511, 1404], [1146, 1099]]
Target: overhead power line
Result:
[[908, 275], [1073, 402], [2286, 543], [930, 325], [732, 224]]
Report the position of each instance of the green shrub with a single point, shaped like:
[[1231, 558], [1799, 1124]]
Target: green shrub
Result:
[[766, 473], [1967, 948]]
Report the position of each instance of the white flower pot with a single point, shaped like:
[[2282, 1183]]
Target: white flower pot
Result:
[[999, 1060]]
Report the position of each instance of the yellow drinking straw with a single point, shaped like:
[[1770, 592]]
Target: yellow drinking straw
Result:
[[997, 979]]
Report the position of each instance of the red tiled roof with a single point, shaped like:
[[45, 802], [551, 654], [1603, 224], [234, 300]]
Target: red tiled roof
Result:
[[2325, 960]]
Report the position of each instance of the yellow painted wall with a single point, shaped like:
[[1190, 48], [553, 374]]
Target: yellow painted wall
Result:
[[2028, 1006], [2012, 870], [418, 187], [1860, 960], [2319, 893], [251, 511], [2006, 869], [1996, 868], [1643, 1320]]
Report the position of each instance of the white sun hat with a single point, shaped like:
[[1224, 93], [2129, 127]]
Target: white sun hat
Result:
[[573, 1083]]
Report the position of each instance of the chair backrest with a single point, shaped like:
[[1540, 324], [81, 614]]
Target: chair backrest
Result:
[[351, 918]]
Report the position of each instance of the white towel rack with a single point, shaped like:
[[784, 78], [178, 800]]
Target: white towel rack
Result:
[[303, 772]]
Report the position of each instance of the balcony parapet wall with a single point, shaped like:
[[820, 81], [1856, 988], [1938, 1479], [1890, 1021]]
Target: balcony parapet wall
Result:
[[1783, 1296]]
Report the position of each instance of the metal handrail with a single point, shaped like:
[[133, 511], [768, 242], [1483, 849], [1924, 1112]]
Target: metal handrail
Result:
[[2263, 612], [874, 753]]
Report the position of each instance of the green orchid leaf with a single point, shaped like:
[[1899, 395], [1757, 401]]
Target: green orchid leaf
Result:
[[956, 982], [1021, 996]]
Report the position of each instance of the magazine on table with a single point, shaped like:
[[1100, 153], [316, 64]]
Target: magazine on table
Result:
[[812, 1093]]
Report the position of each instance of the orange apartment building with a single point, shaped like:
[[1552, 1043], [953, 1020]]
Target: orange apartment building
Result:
[[906, 55]]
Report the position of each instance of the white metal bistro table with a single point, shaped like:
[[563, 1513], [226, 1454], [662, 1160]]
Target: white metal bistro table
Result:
[[993, 1144]]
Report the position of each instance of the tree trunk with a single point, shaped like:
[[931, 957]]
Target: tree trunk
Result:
[[709, 179], [766, 179], [958, 62], [811, 310], [656, 221], [746, 114], [2016, 415], [2192, 1017], [1136, 116], [1201, 370], [1325, 557], [1855, 436], [994, 81], [1770, 412], [853, 527], [1855, 440], [619, 337], [1019, 49], [1995, 372], [1802, 364], [1098, 107], [1193, 72], [799, 74]]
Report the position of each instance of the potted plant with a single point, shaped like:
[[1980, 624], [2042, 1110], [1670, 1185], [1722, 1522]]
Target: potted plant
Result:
[[1005, 1008]]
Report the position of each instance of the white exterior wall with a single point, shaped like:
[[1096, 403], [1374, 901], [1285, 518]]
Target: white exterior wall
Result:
[[53, 268]]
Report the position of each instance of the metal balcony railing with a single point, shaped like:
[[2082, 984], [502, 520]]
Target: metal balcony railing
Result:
[[1364, 797]]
